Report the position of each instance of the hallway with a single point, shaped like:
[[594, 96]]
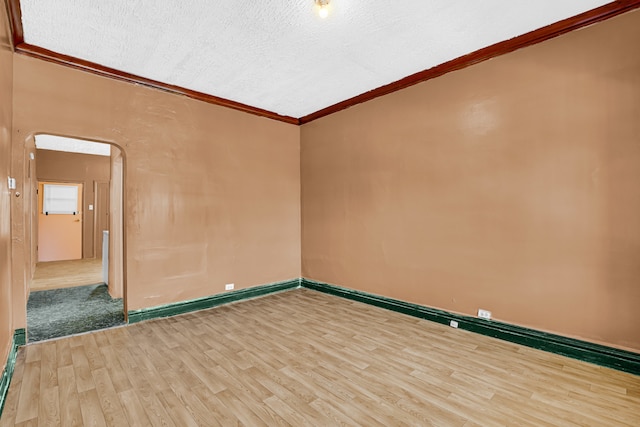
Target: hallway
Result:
[[65, 274]]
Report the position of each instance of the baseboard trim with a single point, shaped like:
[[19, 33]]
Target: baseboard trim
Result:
[[209, 302], [7, 373], [577, 349], [20, 337]]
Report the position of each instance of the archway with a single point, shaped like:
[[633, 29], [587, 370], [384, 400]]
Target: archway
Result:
[[63, 160]]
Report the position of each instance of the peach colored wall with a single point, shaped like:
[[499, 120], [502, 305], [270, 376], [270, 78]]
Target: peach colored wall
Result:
[[512, 186], [6, 100], [212, 195], [23, 224], [116, 216], [76, 167]]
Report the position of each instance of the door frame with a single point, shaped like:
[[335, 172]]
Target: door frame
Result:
[[97, 233], [124, 209]]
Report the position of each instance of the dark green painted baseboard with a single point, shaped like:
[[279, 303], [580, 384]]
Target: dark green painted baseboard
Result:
[[582, 350], [20, 337], [208, 302], [7, 373]]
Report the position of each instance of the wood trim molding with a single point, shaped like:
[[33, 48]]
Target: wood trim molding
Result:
[[15, 21], [101, 70], [19, 46], [545, 33]]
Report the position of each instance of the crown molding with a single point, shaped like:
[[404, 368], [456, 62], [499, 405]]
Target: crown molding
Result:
[[15, 22], [533, 37], [101, 70]]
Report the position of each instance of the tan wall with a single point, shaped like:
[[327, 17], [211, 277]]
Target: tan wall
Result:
[[212, 195], [512, 186], [23, 224], [79, 168], [116, 216], [6, 100]]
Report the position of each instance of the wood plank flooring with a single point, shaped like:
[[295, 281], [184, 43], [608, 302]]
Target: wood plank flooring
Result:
[[66, 274], [303, 358]]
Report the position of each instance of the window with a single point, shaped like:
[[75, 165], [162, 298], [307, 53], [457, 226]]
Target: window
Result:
[[60, 199]]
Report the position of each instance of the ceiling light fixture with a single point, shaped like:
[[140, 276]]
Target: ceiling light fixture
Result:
[[323, 8]]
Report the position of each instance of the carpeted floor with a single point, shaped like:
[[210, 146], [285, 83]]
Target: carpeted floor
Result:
[[60, 312]]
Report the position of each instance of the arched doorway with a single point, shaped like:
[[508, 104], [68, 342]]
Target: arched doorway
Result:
[[78, 283]]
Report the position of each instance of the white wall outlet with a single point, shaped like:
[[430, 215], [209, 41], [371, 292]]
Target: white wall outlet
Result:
[[228, 286], [90, 207], [453, 324], [484, 314], [11, 183]]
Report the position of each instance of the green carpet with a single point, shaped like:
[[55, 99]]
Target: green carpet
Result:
[[60, 312]]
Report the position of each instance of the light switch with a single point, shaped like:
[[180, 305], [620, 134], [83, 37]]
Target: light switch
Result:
[[12, 183], [90, 207]]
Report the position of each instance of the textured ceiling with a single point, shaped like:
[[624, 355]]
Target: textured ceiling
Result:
[[60, 143], [279, 55]]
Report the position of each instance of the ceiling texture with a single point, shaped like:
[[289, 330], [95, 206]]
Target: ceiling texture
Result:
[[279, 55], [71, 145]]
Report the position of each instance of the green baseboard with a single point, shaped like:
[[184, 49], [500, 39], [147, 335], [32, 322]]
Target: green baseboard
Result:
[[7, 373], [208, 302], [577, 349], [20, 337]]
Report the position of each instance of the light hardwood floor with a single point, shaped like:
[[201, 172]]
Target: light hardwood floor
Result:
[[305, 358], [66, 274]]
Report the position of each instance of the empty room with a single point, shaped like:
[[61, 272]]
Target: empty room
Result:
[[325, 212]]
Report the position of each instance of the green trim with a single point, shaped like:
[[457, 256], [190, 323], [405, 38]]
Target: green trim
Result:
[[208, 302], [7, 373], [577, 349], [20, 337]]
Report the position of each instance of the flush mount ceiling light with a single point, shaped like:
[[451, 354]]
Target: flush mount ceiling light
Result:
[[323, 8]]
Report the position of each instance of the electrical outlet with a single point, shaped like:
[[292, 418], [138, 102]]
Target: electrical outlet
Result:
[[453, 324], [484, 314], [228, 286]]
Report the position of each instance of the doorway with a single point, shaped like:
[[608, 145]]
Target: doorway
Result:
[[79, 199]]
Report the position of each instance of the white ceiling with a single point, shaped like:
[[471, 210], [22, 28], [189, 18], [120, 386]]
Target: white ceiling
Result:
[[71, 145], [279, 55]]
